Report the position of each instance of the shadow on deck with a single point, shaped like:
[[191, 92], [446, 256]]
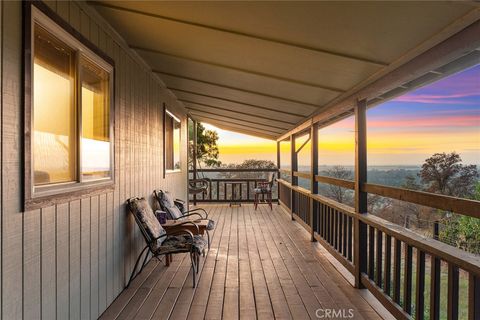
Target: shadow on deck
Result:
[[261, 265]]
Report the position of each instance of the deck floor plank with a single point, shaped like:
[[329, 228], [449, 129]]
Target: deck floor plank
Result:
[[261, 265]]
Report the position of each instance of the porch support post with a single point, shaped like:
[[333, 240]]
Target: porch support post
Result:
[[278, 158], [313, 172], [194, 153], [294, 168], [360, 228], [278, 172]]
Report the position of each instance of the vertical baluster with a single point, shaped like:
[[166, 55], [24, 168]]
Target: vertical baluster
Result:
[[335, 229], [241, 193], [452, 306], [248, 190], [350, 238], [435, 289], [218, 190], [407, 279], [379, 257], [420, 286], [225, 188], [388, 264], [325, 222], [371, 252], [337, 220], [210, 190], [345, 234], [322, 226], [340, 231], [397, 258], [329, 225], [473, 297]]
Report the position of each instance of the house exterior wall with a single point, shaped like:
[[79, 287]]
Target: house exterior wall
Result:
[[71, 259]]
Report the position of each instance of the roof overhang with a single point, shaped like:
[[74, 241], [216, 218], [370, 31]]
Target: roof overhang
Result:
[[264, 68]]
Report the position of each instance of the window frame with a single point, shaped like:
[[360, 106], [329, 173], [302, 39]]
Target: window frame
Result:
[[166, 112], [39, 196]]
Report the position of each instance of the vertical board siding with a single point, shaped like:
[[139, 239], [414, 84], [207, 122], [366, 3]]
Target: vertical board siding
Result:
[[12, 217], [48, 267], [71, 260]]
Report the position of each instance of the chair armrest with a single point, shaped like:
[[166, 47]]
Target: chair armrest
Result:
[[188, 223], [159, 237], [195, 181], [264, 184], [197, 209], [192, 214], [184, 232]]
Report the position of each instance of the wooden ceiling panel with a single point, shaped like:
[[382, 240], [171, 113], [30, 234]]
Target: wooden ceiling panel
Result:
[[375, 30], [285, 98], [240, 115], [279, 59], [226, 50], [237, 127], [287, 115]]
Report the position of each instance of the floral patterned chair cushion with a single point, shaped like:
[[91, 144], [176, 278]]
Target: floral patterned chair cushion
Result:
[[182, 244], [211, 224], [141, 209], [169, 204]]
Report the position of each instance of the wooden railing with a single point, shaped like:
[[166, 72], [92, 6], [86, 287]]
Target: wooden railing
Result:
[[394, 262], [219, 180]]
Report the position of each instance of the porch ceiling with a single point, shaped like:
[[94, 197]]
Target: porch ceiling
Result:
[[262, 68]]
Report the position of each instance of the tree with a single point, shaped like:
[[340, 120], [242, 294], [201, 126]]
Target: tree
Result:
[[410, 183], [249, 164], [443, 173], [463, 231], [207, 148], [338, 193]]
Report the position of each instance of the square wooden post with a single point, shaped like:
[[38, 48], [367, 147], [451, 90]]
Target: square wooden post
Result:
[[313, 173], [294, 168], [278, 158], [194, 154], [278, 172], [360, 228]]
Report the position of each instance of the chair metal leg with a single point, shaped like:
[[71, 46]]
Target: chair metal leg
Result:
[[208, 238], [198, 262], [132, 275], [194, 269]]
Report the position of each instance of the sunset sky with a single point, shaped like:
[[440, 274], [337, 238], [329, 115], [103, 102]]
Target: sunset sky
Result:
[[441, 117]]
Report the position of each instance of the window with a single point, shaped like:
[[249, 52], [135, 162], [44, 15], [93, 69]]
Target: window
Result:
[[172, 142], [70, 112]]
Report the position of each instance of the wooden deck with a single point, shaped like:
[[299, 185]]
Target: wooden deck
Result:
[[261, 265]]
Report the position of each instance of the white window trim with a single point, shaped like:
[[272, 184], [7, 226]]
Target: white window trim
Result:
[[38, 17]]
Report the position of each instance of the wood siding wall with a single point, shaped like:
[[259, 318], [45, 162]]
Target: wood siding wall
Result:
[[71, 260]]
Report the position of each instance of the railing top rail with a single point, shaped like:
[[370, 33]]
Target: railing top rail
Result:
[[468, 207], [236, 170], [237, 179]]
